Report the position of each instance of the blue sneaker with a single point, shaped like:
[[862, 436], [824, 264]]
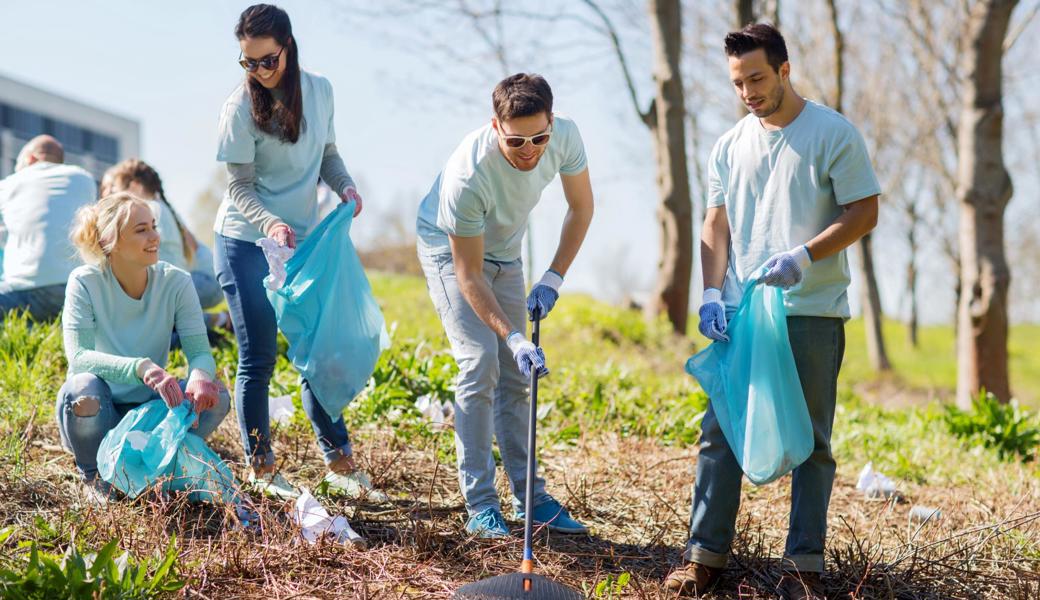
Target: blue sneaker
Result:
[[555, 516], [488, 524]]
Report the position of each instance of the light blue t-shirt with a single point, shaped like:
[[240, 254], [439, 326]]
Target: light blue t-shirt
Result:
[[171, 246], [782, 188], [127, 327], [286, 174], [38, 207], [479, 192]]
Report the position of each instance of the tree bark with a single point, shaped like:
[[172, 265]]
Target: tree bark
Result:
[[983, 191], [745, 12], [872, 321], [871, 299], [668, 125], [911, 276]]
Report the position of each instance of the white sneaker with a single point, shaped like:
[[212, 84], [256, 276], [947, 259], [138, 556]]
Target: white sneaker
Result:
[[96, 493], [354, 486], [273, 485]]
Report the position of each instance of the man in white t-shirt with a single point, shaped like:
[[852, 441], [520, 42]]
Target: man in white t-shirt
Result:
[[791, 186], [38, 205], [470, 229]]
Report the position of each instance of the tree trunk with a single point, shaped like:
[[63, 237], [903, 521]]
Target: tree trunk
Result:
[[911, 277], [672, 290], [983, 190], [744, 11], [872, 321]]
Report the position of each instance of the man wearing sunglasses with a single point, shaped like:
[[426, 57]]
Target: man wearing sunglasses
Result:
[[470, 228]]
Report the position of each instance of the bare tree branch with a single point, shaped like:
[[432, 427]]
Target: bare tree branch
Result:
[[648, 117]]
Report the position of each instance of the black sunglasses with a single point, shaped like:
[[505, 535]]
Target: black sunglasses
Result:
[[268, 63]]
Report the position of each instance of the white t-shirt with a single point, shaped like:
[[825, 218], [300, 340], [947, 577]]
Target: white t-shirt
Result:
[[781, 188], [38, 206], [480, 193]]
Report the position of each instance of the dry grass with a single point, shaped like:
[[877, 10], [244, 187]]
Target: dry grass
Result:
[[633, 493]]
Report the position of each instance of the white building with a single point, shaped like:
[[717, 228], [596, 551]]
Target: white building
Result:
[[94, 139]]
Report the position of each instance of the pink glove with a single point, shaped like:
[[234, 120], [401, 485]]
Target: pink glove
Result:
[[352, 194], [202, 391], [164, 384]]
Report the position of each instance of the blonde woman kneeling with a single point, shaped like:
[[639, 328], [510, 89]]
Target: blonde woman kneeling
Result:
[[120, 309]]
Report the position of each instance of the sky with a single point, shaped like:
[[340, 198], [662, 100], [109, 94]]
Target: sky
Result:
[[170, 65]]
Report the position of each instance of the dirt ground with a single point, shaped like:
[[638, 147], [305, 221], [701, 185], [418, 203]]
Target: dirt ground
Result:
[[633, 493]]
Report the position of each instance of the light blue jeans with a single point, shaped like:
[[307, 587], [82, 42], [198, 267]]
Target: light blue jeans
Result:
[[491, 396], [819, 346], [85, 413]]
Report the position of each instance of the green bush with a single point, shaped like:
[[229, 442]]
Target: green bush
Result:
[[100, 575], [1007, 428]]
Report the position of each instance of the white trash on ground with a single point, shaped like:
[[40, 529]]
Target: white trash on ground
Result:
[[315, 522], [276, 256], [875, 484], [924, 514], [433, 409], [280, 408]]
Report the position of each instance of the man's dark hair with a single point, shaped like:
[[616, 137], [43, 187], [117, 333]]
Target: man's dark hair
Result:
[[755, 36], [522, 95]]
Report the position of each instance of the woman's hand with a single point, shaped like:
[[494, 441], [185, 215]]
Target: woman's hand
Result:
[[283, 234], [202, 391], [349, 194], [161, 382]]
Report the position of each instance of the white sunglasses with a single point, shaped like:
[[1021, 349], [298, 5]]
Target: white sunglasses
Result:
[[518, 141]]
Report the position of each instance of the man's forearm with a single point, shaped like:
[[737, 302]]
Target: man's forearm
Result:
[[715, 249], [858, 219], [480, 297], [575, 226]]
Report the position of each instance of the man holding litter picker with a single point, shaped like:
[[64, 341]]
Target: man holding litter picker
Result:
[[470, 228], [791, 186]]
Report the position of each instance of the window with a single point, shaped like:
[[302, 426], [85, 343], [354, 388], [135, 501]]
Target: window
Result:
[[105, 147], [25, 124]]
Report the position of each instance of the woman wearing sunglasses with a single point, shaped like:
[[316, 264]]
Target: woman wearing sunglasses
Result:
[[277, 138]]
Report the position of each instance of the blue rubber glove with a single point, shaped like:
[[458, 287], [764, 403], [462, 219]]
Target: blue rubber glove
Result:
[[544, 294], [713, 316], [527, 355], [787, 268]]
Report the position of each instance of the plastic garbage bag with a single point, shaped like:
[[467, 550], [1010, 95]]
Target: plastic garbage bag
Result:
[[328, 314], [152, 445], [753, 385]]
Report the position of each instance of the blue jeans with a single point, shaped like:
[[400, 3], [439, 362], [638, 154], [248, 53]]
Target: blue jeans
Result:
[[43, 303], [208, 289], [85, 413], [241, 268], [818, 344], [490, 393]]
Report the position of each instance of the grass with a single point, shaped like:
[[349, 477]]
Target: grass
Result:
[[931, 368], [618, 447]]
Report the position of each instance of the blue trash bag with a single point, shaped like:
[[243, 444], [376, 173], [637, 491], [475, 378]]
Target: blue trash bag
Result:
[[752, 383], [328, 314], [152, 445]]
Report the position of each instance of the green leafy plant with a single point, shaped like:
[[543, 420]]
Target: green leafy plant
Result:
[[1006, 428], [101, 575], [610, 588]]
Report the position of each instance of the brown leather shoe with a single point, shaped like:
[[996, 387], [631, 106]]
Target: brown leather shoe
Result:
[[692, 579], [796, 585]]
